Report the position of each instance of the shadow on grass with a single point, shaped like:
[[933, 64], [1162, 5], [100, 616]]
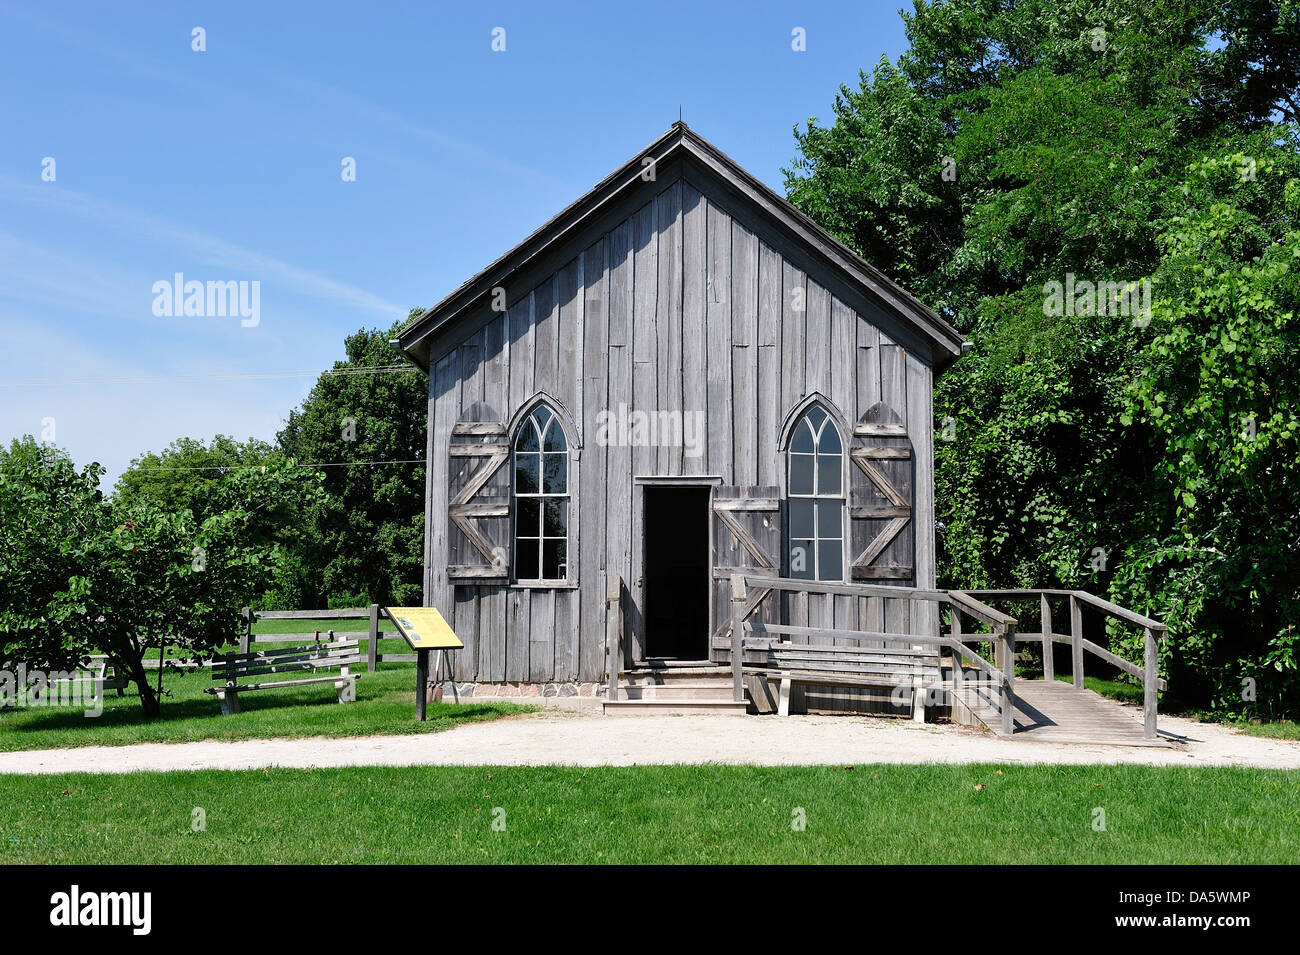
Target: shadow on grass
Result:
[[385, 705]]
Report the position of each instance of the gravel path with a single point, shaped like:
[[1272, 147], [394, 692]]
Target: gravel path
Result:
[[556, 737]]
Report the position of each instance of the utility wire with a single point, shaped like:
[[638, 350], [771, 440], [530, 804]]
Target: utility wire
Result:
[[248, 376], [324, 464]]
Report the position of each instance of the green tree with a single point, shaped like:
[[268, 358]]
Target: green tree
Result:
[[81, 572], [1018, 144], [1220, 545], [364, 425], [186, 473]]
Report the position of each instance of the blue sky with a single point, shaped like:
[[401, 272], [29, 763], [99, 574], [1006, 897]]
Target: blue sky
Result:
[[224, 165]]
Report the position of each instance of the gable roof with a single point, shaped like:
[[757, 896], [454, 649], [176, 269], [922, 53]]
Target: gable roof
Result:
[[417, 337]]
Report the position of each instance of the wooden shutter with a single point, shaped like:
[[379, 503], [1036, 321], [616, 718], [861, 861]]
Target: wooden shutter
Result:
[[746, 539], [882, 506], [478, 532]]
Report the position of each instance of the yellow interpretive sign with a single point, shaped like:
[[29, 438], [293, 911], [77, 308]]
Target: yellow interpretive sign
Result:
[[423, 628]]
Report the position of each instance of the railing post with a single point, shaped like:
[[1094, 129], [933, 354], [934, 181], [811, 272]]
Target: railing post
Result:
[[1150, 683], [246, 638], [613, 632], [955, 616], [1076, 641], [1049, 661], [1008, 679], [372, 648], [737, 634]]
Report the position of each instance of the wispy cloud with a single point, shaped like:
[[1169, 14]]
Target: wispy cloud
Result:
[[207, 248], [335, 97]]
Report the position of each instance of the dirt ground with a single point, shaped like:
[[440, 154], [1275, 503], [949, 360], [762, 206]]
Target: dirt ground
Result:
[[579, 736]]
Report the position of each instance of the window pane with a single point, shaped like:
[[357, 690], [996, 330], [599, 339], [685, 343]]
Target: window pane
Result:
[[526, 473], [555, 480], [555, 437], [815, 417], [803, 437], [801, 518], [553, 566], [527, 438], [528, 520], [557, 517], [828, 473], [801, 473], [542, 415], [801, 559], [830, 560], [526, 558], [830, 519], [830, 442]]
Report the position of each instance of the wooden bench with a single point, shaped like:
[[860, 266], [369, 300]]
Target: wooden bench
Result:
[[96, 673], [891, 666], [233, 667]]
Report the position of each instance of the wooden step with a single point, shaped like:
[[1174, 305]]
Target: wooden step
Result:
[[675, 690], [724, 707], [660, 676]]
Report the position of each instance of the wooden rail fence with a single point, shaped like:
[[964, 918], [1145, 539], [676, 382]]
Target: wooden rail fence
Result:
[[372, 615]]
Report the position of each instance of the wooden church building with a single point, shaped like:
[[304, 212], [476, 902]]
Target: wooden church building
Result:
[[678, 377]]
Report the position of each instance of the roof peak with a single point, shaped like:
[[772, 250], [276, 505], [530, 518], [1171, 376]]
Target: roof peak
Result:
[[416, 335]]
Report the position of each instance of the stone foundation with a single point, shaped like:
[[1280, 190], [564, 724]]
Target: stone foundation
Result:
[[522, 690]]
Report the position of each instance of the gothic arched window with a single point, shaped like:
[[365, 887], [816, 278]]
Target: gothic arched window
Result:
[[815, 495], [541, 498]]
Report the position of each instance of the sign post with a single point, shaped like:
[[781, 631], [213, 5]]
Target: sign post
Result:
[[424, 629]]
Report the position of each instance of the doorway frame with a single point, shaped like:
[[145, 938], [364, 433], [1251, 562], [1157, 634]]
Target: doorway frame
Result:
[[639, 483]]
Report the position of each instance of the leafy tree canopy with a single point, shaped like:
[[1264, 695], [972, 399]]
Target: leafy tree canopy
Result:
[[1014, 145]]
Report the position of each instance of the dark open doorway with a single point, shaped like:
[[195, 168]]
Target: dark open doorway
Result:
[[677, 572]]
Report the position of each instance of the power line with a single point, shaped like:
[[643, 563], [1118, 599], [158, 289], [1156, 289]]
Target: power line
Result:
[[247, 376], [324, 464]]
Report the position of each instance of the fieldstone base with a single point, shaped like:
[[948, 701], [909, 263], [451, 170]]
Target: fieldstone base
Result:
[[523, 690]]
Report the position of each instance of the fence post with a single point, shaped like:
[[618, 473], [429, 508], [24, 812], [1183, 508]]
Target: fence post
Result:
[[1076, 640], [372, 649], [613, 631], [737, 634], [1150, 683], [1049, 661], [1008, 679], [246, 638]]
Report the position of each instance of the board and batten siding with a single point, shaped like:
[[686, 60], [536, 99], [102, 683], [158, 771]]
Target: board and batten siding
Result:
[[681, 305]]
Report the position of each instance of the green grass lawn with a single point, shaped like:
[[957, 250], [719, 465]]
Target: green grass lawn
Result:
[[385, 705], [861, 814], [1282, 729]]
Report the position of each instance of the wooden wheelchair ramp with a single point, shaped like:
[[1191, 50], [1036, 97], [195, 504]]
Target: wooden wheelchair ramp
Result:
[[1055, 712]]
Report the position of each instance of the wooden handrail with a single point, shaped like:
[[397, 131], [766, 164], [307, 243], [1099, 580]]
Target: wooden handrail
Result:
[[1148, 672], [1003, 627], [614, 632], [1114, 610], [962, 599], [974, 657], [739, 595]]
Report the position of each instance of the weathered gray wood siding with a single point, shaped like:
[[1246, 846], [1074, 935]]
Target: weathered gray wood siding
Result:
[[682, 301]]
